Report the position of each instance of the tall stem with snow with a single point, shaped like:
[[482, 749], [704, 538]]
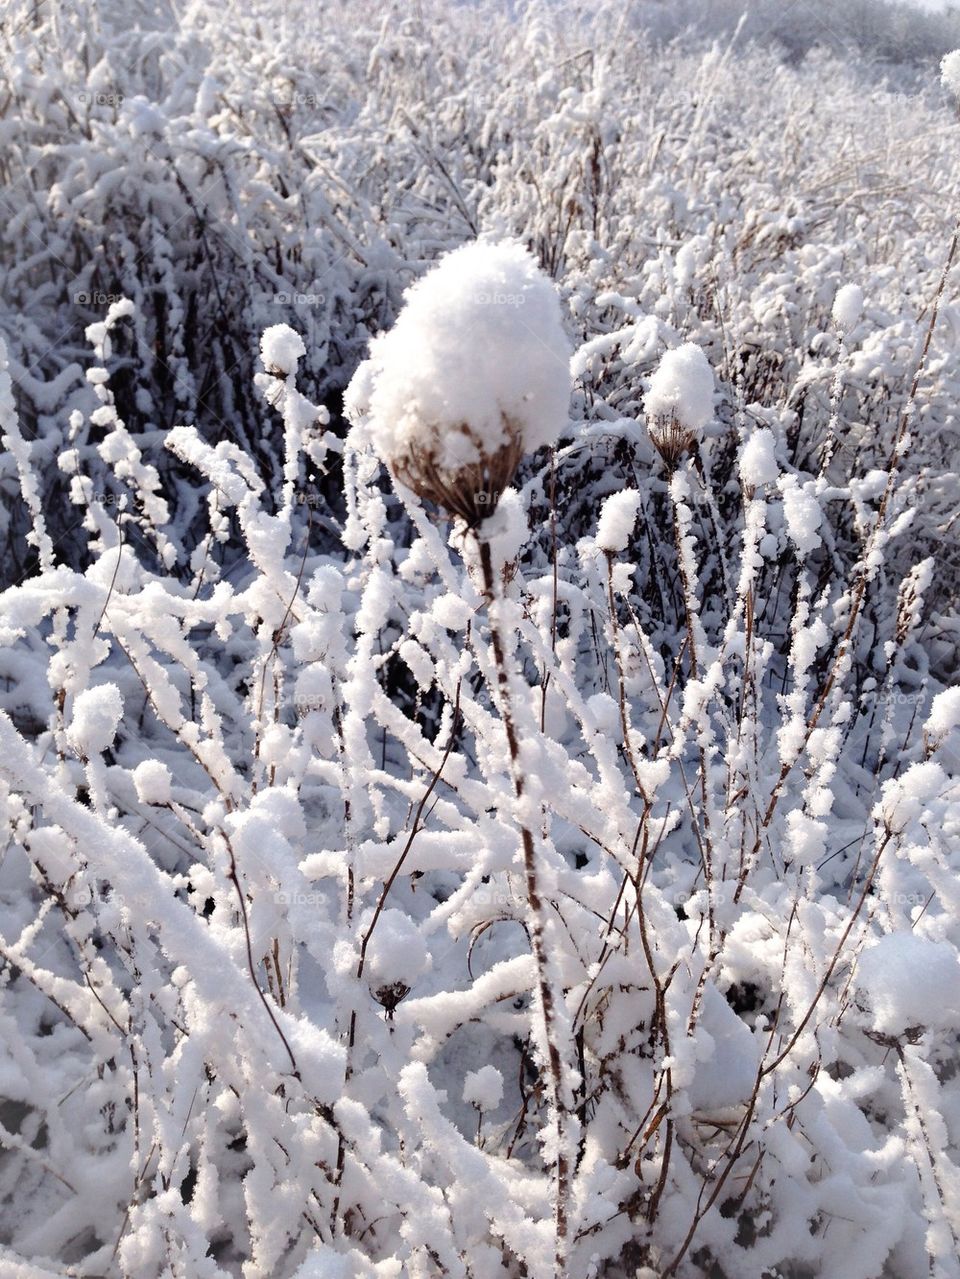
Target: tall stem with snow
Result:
[[549, 994]]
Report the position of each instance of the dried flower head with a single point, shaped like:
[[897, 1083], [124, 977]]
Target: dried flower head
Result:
[[475, 373], [679, 401]]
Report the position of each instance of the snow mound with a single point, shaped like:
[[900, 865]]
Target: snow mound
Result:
[[848, 307], [152, 780], [944, 713], [397, 951], [483, 1088], [950, 72]]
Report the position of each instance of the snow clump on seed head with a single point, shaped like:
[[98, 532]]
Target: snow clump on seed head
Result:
[[617, 519], [474, 373], [280, 349], [848, 307], [909, 981], [758, 462], [679, 401]]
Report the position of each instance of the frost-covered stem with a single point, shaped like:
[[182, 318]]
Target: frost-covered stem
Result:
[[625, 727], [276, 640], [836, 390], [556, 584], [864, 574], [234, 877], [548, 998], [660, 1021], [912, 1098], [414, 831], [11, 437], [681, 518], [785, 1052]]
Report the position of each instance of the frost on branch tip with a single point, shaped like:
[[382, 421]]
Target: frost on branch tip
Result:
[[474, 373], [679, 401]]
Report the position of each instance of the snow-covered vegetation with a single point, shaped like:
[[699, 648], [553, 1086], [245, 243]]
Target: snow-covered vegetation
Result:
[[479, 743]]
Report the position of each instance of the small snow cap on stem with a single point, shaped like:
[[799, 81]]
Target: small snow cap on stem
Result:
[[474, 374], [848, 307], [679, 401], [280, 349], [617, 519]]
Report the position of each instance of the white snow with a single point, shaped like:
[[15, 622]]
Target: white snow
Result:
[[280, 349], [758, 463], [682, 386], [950, 72], [478, 351], [617, 518], [848, 307], [96, 715], [152, 780], [910, 981], [944, 712], [803, 513], [483, 1088], [710, 772], [906, 796], [396, 951], [506, 530]]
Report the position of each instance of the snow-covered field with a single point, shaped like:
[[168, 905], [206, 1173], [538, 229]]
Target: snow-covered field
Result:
[[479, 627]]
